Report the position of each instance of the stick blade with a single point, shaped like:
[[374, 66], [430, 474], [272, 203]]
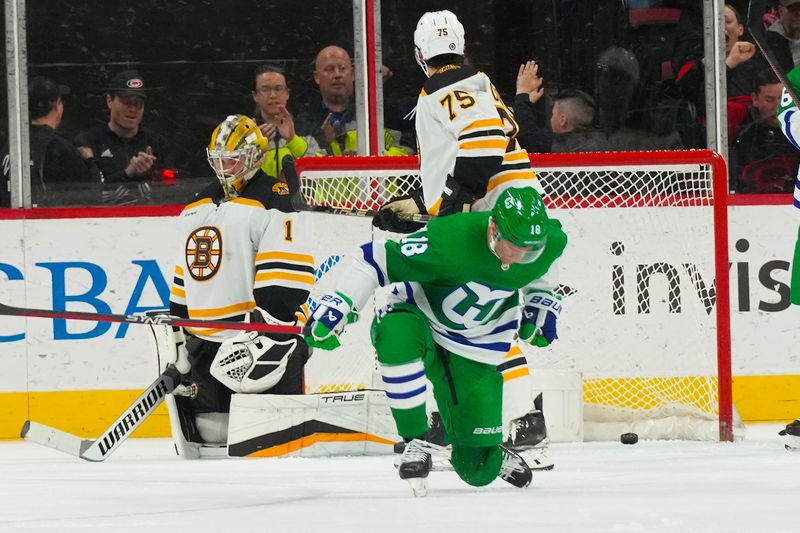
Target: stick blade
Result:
[[54, 438]]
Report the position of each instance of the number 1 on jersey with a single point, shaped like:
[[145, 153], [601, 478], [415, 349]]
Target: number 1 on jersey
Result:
[[287, 231]]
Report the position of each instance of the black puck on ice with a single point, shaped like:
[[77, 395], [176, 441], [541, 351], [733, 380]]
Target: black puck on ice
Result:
[[629, 438]]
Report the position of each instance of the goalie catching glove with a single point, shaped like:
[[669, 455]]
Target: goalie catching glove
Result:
[[539, 319], [329, 319], [395, 215], [251, 362]]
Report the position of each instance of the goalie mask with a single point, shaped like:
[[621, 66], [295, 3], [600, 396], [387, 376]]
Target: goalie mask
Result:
[[251, 363], [519, 226], [236, 152], [437, 33]]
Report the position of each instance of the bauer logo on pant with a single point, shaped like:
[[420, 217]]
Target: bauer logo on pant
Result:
[[204, 252]]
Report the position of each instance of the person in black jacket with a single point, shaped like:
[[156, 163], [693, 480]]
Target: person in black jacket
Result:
[[55, 162], [762, 159], [129, 155], [783, 36]]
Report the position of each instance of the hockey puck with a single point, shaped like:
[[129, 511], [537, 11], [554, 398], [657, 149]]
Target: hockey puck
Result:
[[629, 438]]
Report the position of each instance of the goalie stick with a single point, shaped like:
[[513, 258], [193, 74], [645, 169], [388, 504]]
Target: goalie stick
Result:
[[99, 449], [755, 14], [166, 320]]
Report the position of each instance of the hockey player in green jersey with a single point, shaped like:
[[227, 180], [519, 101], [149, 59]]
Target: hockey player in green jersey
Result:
[[789, 119], [469, 155], [462, 289]]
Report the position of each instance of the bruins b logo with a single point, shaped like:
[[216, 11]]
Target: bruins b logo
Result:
[[280, 188], [204, 252]]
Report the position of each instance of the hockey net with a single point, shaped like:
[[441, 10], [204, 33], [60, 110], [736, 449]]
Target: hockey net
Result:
[[644, 281]]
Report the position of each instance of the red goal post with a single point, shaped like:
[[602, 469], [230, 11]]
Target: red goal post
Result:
[[646, 287]]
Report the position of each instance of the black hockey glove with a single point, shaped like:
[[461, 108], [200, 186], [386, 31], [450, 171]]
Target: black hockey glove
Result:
[[394, 215], [455, 199]]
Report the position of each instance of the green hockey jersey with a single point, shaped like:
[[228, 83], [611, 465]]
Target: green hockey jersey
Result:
[[451, 275]]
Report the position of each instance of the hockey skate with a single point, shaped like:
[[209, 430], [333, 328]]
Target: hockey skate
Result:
[[514, 469], [434, 435], [792, 436], [528, 438], [415, 465], [435, 440]]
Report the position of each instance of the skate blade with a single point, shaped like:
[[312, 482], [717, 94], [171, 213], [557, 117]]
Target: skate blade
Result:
[[537, 461], [791, 448], [419, 486]]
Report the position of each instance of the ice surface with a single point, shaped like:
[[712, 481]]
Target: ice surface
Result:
[[750, 486]]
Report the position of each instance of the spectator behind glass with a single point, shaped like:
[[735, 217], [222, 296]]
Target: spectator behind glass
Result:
[[571, 121], [331, 120], [783, 36], [271, 95], [617, 77], [533, 136], [742, 62], [129, 155], [55, 162], [763, 159]]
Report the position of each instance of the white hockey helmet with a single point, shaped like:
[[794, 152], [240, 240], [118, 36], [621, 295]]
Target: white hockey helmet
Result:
[[437, 33]]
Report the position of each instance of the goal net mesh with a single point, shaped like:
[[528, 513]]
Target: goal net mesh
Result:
[[638, 279]]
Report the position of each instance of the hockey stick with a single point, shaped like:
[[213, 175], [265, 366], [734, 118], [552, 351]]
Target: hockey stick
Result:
[[99, 449], [755, 13], [166, 320]]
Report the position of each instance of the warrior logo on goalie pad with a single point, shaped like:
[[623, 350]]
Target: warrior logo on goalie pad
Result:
[[249, 363]]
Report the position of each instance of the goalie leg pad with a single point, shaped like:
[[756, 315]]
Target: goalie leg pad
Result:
[[313, 425], [212, 427]]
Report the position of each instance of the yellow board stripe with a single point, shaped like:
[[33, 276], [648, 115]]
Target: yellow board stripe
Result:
[[305, 442], [87, 413]]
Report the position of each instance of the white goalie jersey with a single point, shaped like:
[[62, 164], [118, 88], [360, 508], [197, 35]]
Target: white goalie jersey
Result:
[[479, 140], [239, 255]]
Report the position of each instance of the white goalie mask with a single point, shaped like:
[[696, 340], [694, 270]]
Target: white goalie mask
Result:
[[437, 33], [250, 363]]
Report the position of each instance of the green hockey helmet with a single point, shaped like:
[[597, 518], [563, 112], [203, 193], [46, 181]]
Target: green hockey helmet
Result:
[[520, 218]]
